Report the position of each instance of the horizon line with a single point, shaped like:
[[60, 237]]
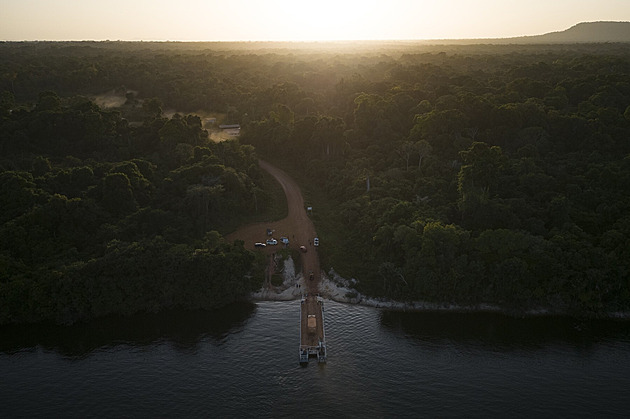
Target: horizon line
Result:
[[315, 40]]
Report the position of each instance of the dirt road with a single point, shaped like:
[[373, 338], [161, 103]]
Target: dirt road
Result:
[[297, 227], [300, 231]]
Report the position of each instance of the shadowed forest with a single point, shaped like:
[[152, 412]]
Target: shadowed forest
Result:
[[468, 174]]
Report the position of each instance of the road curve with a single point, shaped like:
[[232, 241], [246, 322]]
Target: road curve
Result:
[[297, 227]]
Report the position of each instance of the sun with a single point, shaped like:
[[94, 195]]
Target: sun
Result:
[[325, 20]]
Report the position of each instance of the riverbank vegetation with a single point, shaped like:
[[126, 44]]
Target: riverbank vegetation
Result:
[[100, 217], [461, 174], [475, 178]]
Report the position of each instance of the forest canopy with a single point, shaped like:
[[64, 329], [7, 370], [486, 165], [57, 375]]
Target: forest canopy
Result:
[[463, 174]]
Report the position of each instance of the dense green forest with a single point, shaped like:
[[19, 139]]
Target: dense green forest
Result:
[[102, 216], [462, 174]]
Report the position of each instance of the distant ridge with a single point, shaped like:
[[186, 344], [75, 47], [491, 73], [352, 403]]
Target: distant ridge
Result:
[[583, 32]]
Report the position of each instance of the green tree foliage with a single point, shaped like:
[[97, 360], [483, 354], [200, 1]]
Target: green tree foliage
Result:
[[509, 170], [467, 174], [85, 232], [117, 194]]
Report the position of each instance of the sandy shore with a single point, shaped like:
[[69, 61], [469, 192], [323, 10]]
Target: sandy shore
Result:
[[336, 288]]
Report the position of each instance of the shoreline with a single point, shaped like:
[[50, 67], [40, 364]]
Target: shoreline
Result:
[[424, 306], [338, 288]]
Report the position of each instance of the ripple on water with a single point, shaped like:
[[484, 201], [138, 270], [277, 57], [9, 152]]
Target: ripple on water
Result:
[[243, 362]]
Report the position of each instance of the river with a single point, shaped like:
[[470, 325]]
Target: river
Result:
[[242, 361]]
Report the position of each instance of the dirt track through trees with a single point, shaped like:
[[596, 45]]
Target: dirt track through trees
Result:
[[297, 227]]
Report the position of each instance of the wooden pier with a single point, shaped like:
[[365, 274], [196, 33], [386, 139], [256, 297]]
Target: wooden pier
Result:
[[299, 229], [312, 335]]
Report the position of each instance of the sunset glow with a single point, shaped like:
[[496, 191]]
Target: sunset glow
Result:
[[290, 20]]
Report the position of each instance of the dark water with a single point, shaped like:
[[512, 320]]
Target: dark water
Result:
[[242, 362]]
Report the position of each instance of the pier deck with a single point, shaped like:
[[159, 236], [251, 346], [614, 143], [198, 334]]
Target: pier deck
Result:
[[312, 335], [299, 228]]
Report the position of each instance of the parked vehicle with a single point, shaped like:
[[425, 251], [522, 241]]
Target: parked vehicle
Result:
[[312, 323], [269, 232], [316, 241], [272, 242], [260, 244]]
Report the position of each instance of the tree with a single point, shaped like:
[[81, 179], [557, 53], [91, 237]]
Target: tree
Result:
[[7, 102], [117, 196], [200, 200], [18, 193], [152, 108], [48, 101], [41, 166], [328, 135], [481, 169], [440, 245], [405, 151], [423, 149]]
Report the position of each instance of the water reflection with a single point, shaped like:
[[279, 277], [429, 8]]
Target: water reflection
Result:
[[497, 330], [242, 362], [183, 329]]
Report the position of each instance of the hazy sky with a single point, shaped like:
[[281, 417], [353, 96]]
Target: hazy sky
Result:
[[235, 20]]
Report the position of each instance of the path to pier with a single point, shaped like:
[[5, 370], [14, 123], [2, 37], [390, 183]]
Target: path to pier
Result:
[[300, 231]]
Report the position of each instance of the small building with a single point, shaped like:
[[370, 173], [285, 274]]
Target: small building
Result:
[[231, 129]]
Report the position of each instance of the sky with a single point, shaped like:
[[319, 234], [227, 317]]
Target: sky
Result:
[[295, 20]]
